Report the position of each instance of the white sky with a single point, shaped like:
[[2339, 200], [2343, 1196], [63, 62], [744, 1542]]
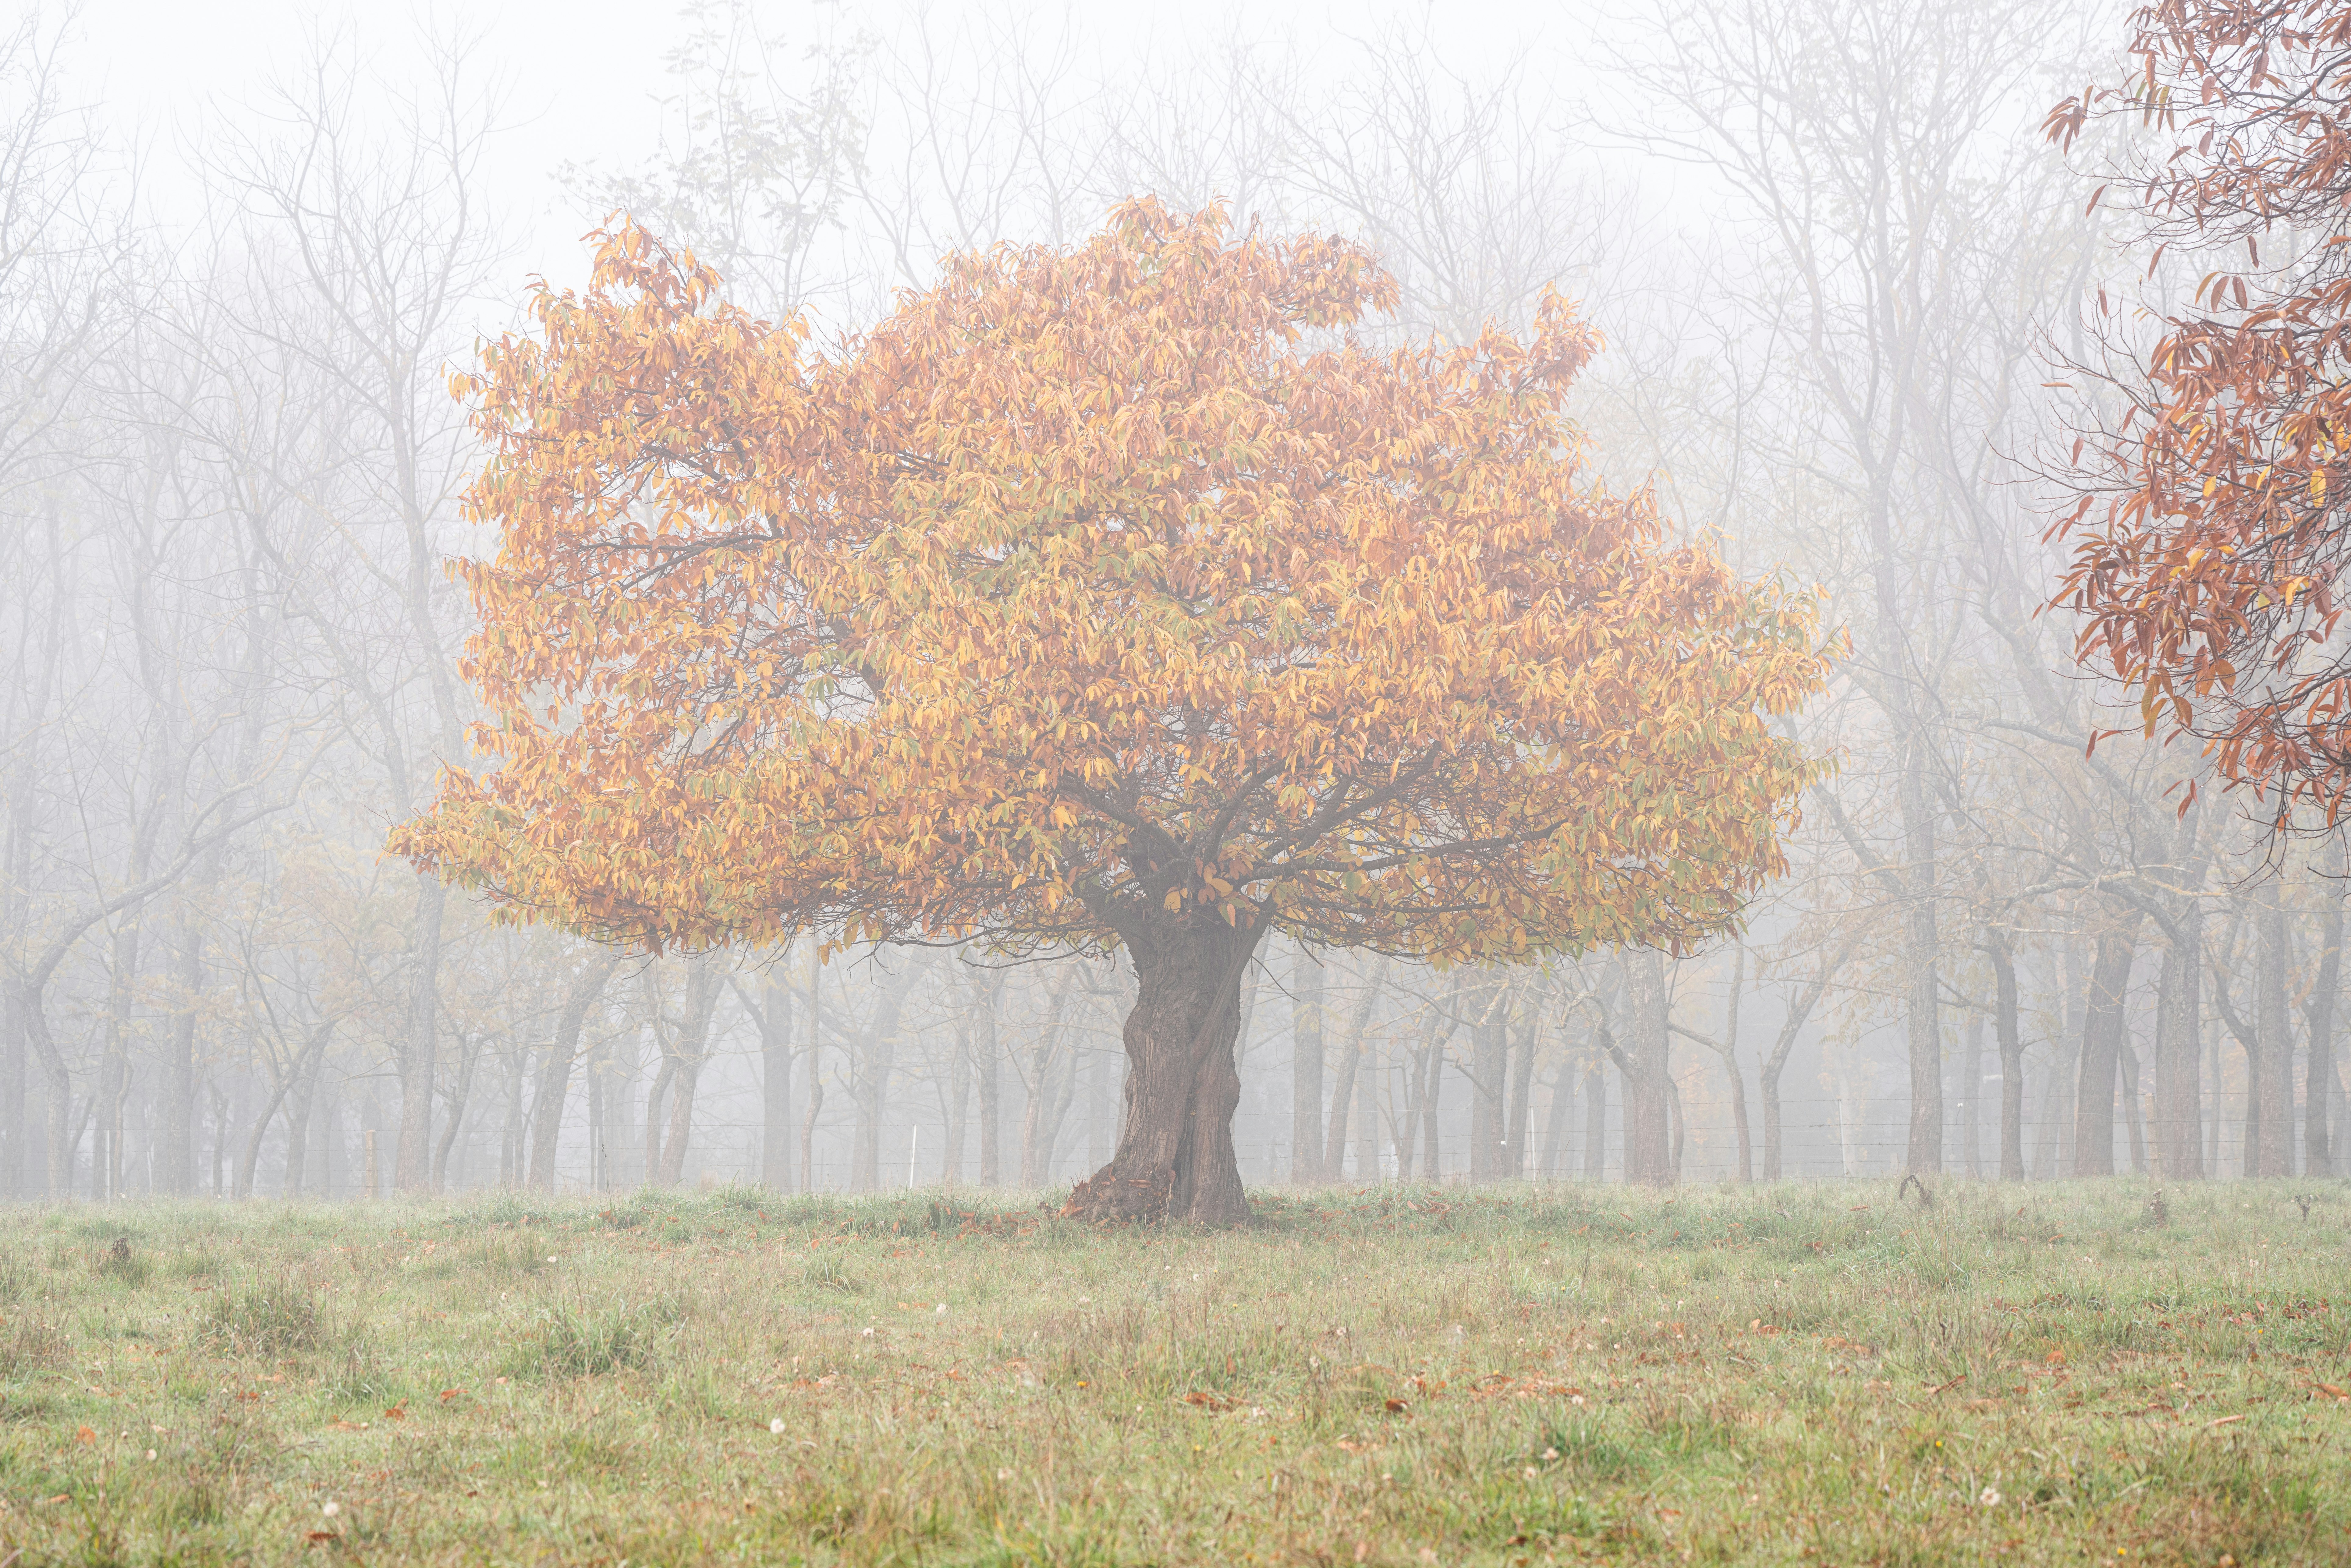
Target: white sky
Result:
[[582, 74]]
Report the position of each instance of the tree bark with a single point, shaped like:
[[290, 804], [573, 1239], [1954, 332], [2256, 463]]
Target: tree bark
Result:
[[2317, 1153], [2011, 1040], [2274, 1022], [562, 1052], [1306, 1068], [1563, 1100], [1925, 1034], [1970, 1096], [1346, 1101], [1737, 1082], [1490, 1045], [958, 1100], [1595, 1120], [1174, 1157], [2127, 1058], [412, 1162], [775, 1021], [2249, 1040], [13, 1088], [2102, 1024], [177, 1154], [2179, 1053], [298, 1115], [1522, 1079], [1342, 1107], [877, 1059], [988, 1069], [460, 1094], [1646, 1061], [684, 1046], [815, 1070]]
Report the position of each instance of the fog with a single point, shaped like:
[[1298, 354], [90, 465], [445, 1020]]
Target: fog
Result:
[[1841, 275]]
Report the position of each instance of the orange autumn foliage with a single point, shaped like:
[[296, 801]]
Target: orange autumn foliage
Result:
[[2210, 535], [1094, 590]]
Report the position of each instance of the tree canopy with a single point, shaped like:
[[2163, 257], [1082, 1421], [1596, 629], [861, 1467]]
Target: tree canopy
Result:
[[2209, 537], [1117, 596], [1084, 587]]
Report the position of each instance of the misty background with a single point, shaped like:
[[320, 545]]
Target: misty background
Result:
[[1841, 277]]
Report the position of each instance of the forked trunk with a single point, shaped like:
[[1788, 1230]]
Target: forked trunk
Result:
[[1175, 1159]]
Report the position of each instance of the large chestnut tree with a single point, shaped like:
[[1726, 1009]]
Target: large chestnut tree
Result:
[[1109, 598]]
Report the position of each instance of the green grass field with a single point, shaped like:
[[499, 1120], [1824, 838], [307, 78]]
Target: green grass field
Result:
[[1798, 1373]]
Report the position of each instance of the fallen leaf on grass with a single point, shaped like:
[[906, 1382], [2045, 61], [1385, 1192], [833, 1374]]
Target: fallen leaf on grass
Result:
[[396, 1411], [84, 1435], [1398, 1407]]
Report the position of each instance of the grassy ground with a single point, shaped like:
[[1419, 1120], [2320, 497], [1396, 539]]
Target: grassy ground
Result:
[[1802, 1375]]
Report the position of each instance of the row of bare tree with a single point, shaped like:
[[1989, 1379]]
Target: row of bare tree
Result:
[[1836, 270]]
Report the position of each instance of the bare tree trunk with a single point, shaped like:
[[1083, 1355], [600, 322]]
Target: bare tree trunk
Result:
[[15, 1086], [298, 1114], [2105, 1020], [1645, 1063], [877, 1057], [460, 1094], [2248, 1038], [705, 983], [114, 1061], [1736, 1080], [2012, 1058], [1420, 1069], [775, 1020], [1970, 1096], [2212, 1125], [2317, 1153], [1595, 1121], [177, 1154], [1563, 1100], [1306, 1068], [314, 1047], [1432, 1084], [1343, 1106], [1343, 1094], [2127, 1058], [958, 1099], [2274, 1023], [412, 1161], [1522, 1078], [2179, 1053], [663, 1075], [555, 1074], [1490, 1045], [1921, 1015], [990, 1069], [815, 1069]]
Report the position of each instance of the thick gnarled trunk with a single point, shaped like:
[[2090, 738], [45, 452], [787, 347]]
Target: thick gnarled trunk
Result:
[[1175, 1159]]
